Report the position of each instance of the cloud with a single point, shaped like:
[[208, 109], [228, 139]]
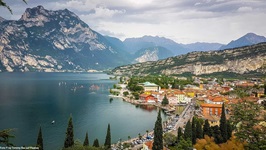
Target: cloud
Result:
[[183, 20], [244, 9]]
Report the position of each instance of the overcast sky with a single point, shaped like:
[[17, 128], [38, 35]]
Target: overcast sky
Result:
[[184, 21]]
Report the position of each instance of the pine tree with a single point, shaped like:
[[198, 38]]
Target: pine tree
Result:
[[40, 140], [86, 141], [165, 100], [188, 131], [207, 129], [179, 134], [199, 134], [158, 133], [69, 140], [107, 142], [193, 130], [96, 143], [223, 125]]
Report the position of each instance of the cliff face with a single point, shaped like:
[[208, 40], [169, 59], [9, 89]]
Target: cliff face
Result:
[[45, 40], [239, 60]]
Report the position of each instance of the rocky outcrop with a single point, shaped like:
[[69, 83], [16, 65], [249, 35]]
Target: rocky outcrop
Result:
[[239, 60]]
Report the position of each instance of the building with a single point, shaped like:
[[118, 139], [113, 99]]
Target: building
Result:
[[211, 109], [150, 86], [147, 98]]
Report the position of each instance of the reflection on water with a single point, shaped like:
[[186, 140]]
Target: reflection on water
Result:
[[31, 100]]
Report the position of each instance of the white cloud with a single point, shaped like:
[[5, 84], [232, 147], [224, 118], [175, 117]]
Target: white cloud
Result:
[[244, 9], [183, 20]]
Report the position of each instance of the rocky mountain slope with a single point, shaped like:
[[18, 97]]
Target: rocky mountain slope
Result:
[[248, 39], [239, 60], [152, 54], [45, 40]]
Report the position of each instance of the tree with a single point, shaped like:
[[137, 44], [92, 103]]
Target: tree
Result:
[[165, 101], [179, 134], [199, 133], [218, 138], [206, 128], [184, 144], [193, 130], [5, 135], [223, 125], [86, 141], [96, 143], [107, 142], [229, 129], [265, 88], [147, 131], [207, 143], [2, 3], [188, 131], [158, 133], [69, 140], [40, 140], [247, 118], [169, 139]]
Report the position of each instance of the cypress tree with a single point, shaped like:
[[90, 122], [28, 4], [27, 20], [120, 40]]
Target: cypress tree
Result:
[[107, 142], [193, 130], [86, 141], [158, 133], [179, 134], [218, 138], [223, 125], [96, 143], [165, 100], [188, 131], [69, 140], [199, 131], [207, 129], [229, 130], [40, 140]]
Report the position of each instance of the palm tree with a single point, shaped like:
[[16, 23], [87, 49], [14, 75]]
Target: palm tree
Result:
[[147, 131]]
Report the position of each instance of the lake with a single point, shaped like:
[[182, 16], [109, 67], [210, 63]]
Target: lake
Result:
[[31, 100]]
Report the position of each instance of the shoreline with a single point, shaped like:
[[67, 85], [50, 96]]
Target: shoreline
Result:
[[137, 102]]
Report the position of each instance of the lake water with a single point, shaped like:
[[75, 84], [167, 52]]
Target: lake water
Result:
[[31, 100]]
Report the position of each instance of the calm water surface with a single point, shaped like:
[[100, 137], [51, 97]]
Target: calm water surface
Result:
[[31, 100]]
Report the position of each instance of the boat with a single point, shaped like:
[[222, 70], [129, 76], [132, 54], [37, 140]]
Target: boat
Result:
[[53, 122]]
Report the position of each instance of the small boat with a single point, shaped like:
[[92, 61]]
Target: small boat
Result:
[[53, 122]]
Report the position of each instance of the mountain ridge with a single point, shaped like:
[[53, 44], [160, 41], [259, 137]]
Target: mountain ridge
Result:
[[239, 60], [50, 41], [245, 40]]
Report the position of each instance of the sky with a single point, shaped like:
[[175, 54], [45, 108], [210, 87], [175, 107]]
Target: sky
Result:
[[184, 21]]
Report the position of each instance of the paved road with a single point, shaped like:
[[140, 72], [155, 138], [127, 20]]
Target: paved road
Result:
[[186, 115]]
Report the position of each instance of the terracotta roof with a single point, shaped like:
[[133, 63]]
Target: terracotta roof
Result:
[[211, 105]]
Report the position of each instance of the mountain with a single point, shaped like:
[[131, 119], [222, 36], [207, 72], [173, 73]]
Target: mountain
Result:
[[239, 60], [248, 39], [1, 19], [135, 44], [152, 54], [199, 46], [45, 40]]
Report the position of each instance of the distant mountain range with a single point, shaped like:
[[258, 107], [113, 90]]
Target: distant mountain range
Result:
[[133, 45], [46, 40], [248, 39]]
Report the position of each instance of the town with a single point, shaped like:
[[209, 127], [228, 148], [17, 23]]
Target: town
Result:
[[201, 98]]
